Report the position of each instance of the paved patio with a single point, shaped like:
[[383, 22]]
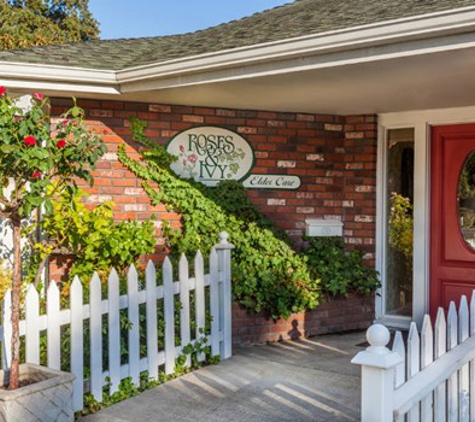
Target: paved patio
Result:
[[306, 380]]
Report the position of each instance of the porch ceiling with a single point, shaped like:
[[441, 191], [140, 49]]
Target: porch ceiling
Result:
[[435, 80], [423, 82]]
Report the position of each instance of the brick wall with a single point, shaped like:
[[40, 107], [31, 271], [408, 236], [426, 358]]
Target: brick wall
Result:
[[335, 157], [332, 316]]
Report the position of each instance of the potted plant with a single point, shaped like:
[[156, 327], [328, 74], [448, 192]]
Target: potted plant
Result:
[[37, 163]]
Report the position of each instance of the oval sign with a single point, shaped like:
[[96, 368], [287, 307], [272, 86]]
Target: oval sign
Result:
[[211, 154]]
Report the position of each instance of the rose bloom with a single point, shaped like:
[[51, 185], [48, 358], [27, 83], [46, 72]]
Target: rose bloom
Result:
[[38, 96], [61, 143], [193, 158], [37, 174], [2, 90], [30, 140], [182, 148]]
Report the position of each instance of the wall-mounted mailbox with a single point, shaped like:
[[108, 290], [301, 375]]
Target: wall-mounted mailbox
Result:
[[323, 228]]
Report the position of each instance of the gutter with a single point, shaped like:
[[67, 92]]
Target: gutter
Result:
[[384, 33], [359, 44]]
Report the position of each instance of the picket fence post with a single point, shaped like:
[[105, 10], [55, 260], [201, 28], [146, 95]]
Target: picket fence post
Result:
[[378, 365], [223, 249]]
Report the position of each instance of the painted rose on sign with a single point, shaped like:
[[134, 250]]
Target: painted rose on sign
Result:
[[211, 154]]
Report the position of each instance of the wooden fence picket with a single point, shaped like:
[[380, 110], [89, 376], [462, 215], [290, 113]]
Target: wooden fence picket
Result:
[[427, 357], [169, 315], [214, 301], [400, 370], [413, 365], [223, 249], [32, 341], [200, 300], [134, 329], [184, 277], [463, 386], [452, 383], [95, 322], [7, 330], [151, 311], [77, 343], [53, 326], [106, 314], [440, 348], [114, 330]]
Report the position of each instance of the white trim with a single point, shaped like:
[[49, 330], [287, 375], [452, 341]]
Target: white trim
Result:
[[421, 121], [59, 87], [435, 32], [51, 72], [426, 27], [395, 321]]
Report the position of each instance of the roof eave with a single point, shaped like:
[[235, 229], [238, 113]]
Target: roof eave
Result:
[[352, 45]]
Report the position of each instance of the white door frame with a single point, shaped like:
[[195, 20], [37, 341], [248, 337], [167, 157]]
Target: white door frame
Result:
[[421, 121]]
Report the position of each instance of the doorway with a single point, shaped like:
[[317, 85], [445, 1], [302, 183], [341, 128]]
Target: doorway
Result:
[[443, 211]]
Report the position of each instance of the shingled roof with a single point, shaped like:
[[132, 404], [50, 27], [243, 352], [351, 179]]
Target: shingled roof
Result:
[[301, 17]]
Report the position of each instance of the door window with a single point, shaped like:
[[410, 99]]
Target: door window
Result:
[[466, 201]]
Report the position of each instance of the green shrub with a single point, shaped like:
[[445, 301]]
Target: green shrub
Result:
[[341, 272], [92, 238]]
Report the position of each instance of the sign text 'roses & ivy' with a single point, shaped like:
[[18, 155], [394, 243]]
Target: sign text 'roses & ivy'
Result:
[[210, 154]]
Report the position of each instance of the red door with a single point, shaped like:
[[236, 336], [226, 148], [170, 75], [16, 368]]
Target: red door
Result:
[[452, 259]]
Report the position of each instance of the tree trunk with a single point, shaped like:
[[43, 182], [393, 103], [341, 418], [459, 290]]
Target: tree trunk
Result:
[[16, 291]]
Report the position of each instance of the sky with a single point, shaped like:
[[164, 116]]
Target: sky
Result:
[[144, 18]]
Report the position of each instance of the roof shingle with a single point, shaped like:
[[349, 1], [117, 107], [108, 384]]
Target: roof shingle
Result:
[[301, 17]]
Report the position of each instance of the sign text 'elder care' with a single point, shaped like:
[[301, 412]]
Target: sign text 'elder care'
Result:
[[211, 154]]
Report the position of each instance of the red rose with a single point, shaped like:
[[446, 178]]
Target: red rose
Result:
[[2, 90], [61, 143], [37, 174], [38, 96], [30, 140], [182, 148]]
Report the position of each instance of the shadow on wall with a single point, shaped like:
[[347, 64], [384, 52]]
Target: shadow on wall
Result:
[[295, 333]]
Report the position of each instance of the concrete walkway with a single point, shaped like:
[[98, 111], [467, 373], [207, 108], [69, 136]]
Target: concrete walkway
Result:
[[307, 380]]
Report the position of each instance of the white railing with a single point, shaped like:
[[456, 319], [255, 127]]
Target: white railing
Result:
[[219, 307], [432, 378]]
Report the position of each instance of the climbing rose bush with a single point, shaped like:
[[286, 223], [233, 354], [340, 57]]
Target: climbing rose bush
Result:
[[38, 162]]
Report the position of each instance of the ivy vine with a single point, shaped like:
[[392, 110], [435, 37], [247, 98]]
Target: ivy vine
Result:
[[268, 275]]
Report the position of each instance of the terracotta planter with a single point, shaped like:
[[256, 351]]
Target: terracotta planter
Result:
[[47, 397]]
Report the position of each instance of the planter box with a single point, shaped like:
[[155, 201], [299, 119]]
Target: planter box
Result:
[[47, 397], [335, 315]]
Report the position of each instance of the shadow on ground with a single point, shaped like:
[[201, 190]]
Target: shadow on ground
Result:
[[303, 380]]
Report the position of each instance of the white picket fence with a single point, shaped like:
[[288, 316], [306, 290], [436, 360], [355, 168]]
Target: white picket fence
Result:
[[432, 378], [220, 339]]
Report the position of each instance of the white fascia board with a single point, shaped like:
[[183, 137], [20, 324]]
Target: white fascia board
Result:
[[416, 48], [37, 84], [427, 26], [45, 72]]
